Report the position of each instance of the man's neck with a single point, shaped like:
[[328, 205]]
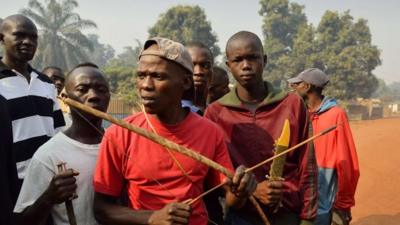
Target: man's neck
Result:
[[21, 67], [314, 102], [253, 94], [200, 98], [84, 132], [172, 116]]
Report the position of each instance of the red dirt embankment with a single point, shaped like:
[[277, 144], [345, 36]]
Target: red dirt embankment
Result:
[[378, 191]]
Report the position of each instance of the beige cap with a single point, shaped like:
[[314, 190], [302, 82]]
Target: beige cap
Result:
[[170, 50]]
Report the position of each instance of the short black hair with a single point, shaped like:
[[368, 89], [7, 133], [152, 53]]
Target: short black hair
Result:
[[198, 44], [219, 73], [84, 64], [315, 89], [244, 35], [16, 18], [220, 70], [52, 68]]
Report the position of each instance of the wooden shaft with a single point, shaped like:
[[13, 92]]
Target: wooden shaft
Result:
[[150, 135], [282, 153], [68, 204], [206, 193], [163, 142], [292, 148], [259, 210]]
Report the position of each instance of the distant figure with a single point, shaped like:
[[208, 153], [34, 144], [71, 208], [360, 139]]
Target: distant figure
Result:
[[219, 85], [56, 75], [337, 160], [252, 115], [44, 188], [30, 95], [188, 99], [203, 62]]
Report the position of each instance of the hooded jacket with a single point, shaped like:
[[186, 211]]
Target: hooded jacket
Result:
[[338, 169], [250, 137]]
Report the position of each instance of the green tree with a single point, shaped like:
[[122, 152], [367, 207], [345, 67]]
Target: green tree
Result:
[[338, 45], [122, 83], [101, 53], [185, 24], [281, 24], [344, 47], [61, 41], [120, 72], [395, 90], [383, 92], [128, 58]]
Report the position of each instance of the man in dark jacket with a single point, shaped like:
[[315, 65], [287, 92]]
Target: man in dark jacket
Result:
[[252, 116]]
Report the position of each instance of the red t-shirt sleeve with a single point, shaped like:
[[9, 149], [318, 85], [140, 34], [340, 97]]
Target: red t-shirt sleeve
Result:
[[108, 176], [221, 157]]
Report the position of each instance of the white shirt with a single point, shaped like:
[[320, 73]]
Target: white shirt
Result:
[[43, 166]]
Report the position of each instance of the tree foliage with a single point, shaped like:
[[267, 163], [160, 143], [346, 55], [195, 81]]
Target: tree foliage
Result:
[[339, 45], [128, 58], [281, 24], [185, 24], [345, 50], [122, 83], [61, 41], [101, 54], [383, 92], [395, 90], [120, 72]]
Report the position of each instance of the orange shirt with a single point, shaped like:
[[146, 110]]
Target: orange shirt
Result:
[[336, 150], [152, 178]]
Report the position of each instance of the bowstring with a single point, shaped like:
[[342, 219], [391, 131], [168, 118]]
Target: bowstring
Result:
[[189, 202], [101, 132], [176, 161], [202, 195]]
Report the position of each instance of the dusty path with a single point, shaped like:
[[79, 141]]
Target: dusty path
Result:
[[378, 192]]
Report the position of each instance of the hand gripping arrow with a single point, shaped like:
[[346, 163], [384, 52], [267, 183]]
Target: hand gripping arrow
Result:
[[163, 142], [192, 154]]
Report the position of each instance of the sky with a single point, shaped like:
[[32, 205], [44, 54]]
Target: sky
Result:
[[120, 22]]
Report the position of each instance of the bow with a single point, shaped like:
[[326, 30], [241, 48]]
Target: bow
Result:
[[165, 143], [186, 151]]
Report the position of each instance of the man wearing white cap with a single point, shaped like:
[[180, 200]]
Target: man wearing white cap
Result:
[[336, 155]]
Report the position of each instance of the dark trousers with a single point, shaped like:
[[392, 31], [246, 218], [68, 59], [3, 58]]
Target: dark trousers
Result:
[[283, 218]]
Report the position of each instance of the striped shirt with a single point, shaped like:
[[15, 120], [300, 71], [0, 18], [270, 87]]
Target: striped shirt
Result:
[[34, 112]]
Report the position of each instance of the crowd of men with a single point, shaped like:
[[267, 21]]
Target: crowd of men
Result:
[[114, 176]]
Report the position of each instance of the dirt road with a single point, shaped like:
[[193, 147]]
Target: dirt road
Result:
[[378, 192]]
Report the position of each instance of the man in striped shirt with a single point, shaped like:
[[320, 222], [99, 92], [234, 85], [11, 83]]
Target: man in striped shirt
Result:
[[30, 95]]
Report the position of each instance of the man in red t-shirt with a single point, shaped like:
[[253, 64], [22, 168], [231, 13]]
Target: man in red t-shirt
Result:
[[157, 180]]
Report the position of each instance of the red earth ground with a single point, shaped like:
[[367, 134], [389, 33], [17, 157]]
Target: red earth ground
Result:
[[378, 191]]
